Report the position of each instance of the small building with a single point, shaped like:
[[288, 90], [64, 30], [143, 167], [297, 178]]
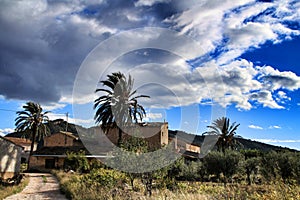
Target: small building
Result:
[[48, 158], [10, 158], [62, 139], [155, 133], [54, 151], [183, 143], [26, 144]]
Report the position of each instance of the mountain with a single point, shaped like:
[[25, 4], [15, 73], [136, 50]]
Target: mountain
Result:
[[54, 126], [61, 125], [245, 143]]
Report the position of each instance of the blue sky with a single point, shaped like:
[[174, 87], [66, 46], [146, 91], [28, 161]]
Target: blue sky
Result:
[[198, 60]]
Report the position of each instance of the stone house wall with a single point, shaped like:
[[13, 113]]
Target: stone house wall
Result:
[[182, 145], [156, 134], [46, 163], [10, 158], [59, 139]]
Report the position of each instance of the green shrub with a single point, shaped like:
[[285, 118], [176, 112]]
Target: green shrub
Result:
[[251, 166], [225, 164], [76, 162]]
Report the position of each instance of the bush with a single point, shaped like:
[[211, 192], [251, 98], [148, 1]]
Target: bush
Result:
[[76, 162], [98, 184], [269, 166], [226, 164], [251, 166], [191, 171]]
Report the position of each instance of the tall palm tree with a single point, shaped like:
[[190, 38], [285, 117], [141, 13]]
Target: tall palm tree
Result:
[[118, 106], [30, 122], [225, 131]]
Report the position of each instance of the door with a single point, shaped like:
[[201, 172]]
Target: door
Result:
[[50, 163]]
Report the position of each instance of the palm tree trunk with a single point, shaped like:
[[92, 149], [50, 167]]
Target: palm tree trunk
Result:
[[32, 145], [120, 137]]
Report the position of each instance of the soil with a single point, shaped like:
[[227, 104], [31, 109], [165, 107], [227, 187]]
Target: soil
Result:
[[40, 186]]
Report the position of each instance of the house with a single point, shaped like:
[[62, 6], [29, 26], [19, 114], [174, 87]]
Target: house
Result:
[[62, 139], [97, 144], [54, 151], [183, 143], [56, 146], [26, 144], [10, 158], [155, 133]]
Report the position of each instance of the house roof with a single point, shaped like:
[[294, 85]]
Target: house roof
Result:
[[67, 134], [5, 139], [19, 141]]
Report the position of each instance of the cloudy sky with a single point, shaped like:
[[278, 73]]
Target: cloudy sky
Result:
[[197, 59]]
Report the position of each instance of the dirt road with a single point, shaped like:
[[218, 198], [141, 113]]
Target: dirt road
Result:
[[40, 186]]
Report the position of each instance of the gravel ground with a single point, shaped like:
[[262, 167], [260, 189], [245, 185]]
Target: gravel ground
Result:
[[40, 186]]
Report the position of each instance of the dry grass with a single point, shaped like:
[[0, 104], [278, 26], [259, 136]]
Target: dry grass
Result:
[[274, 191], [74, 189], [6, 191]]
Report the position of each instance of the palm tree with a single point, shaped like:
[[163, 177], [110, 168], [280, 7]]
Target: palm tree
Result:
[[225, 131], [118, 106], [30, 122]]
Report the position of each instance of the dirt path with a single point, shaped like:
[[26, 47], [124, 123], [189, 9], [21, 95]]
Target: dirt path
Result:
[[40, 186]]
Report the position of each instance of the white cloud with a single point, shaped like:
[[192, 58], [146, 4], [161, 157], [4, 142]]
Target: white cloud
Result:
[[204, 21], [283, 95], [224, 26], [204, 121], [149, 2], [276, 141], [255, 127], [91, 26], [275, 127], [53, 106], [5, 131], [154, 115], [273, 79], [242, 38], [236, 25], [77, 121], [239, 83], [265, 98]]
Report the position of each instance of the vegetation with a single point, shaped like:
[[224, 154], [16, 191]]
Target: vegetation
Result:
[[113, 185], [30, 122], [76, 162], [118, 106], [229, 173]]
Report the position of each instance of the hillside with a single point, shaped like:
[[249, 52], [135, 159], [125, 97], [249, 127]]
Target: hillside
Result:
[[61, 125], [54, 126], [245, 143]]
